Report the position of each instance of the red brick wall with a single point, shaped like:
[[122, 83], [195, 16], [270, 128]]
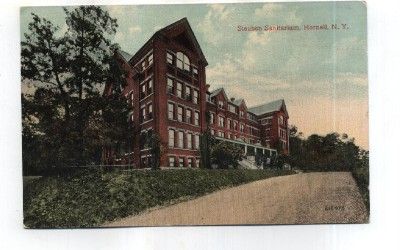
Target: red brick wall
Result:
[[160, 123]]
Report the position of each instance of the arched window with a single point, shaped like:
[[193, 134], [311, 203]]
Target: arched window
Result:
[[182, 61]]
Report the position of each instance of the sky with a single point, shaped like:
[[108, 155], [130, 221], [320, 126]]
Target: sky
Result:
[[321, 75]]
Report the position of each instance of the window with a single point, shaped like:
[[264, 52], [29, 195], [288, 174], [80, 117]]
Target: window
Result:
[[170, 111], [186, 61], [196, 141], [235, 125], [241, 127], [171, 161], [189, 141], [188, 116], [170, 58], [229, 123], [221, 121], [170, 86], [143, 65], [195, 72], [171, 138], [196, 118], [180, 113], [221, 134], [282, 134], [232, 108], [241, 113], [143, 92], [182, 61], [221, 104], [267, 121], [179, 60], [190, 162], [179, 89], [143, 112], [150, 111], [188, 93], [150, 86], [195, 96], [280, 120], [181, 162], [180, 139], [212, 118], [212, 131], [252, 117], [197, 162], [150, 59], [268, 132]]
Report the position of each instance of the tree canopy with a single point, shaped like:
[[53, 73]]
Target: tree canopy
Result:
[[66, 119]]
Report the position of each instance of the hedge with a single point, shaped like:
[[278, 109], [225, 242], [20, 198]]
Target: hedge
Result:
[[89, 198]]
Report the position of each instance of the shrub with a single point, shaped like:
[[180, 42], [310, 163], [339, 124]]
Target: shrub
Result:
[[226, 154], [90, 198]]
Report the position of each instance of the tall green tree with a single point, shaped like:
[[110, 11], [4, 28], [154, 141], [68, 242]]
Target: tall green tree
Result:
[[67, 111]]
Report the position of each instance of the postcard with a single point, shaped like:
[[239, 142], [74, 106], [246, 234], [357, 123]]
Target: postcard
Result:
[[195, 114]]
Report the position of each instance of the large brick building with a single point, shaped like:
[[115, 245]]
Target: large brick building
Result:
[[166, 86]]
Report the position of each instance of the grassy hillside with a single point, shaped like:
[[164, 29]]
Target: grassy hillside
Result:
[[90, 198]]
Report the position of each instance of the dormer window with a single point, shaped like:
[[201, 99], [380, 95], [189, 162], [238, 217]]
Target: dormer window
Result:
[[232, 108], [281, 120], [182, 61], [221, 104]]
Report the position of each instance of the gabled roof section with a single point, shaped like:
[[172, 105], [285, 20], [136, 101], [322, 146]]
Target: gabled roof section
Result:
[[183, 25], [240, 102], [170, 31], [237, 102], [217, 91], [269, 107]]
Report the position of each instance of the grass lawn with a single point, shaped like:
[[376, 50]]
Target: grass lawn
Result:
[[90, 198]]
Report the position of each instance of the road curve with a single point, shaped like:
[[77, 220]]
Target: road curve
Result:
[[307, 198]]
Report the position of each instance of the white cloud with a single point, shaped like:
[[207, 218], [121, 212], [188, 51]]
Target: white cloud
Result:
[[134, 29], [258, 38], [268, 10], [221, 12], [215, 23], [352, 78], [119, 37], [242, 83], [117, 11]]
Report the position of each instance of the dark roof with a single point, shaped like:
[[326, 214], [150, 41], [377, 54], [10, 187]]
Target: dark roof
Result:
[[257, 110], [217, 91], [268, 107], [164, 31], [237, 102]]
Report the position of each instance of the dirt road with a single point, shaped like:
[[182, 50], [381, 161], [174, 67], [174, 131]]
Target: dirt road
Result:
[[331, 197]]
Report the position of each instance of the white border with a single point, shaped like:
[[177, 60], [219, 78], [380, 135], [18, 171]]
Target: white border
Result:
[[381, 233]]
